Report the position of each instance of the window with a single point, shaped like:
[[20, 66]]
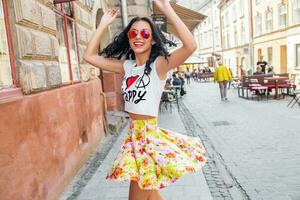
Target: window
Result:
[[7, 71], [89, 4], [241, 8], [226, 19], [201, 40], [243, 33], [296, 11], [258, 24], [282, 15], [228, 39], [270, 55], [234, 13], [224, 40], [66, 34], [298, 55], [216, 16], [269, 21], [210, 41], [217, 36], [235, 36]]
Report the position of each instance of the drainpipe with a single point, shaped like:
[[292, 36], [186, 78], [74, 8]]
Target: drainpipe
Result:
[[124, 13], [104, 113]]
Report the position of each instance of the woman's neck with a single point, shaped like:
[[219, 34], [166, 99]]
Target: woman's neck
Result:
[[142, 58]]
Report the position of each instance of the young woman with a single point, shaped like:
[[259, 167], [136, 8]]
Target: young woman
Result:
[[150, 157]]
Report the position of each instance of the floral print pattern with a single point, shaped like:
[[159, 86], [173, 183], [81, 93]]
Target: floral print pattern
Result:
[[156, 157]]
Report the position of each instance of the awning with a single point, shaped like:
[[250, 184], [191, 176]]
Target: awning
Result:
[[190, 17]]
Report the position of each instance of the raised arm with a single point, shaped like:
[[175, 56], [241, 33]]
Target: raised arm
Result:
[[189, 44], [91, 53]]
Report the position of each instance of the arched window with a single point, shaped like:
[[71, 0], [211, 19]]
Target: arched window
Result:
[[7, 69]]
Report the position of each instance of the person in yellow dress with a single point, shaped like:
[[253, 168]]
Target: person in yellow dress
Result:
[[222, 75]]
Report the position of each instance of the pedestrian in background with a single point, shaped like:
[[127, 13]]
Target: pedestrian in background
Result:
[[182, 90], [188, 75], [151, 158], [231, 74], [222, 75], [271, 70], [241, 72], [262, 64], [258, 71]]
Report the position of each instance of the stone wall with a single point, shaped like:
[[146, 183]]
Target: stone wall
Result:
[[36, 47], [49, 135], [85, 28]]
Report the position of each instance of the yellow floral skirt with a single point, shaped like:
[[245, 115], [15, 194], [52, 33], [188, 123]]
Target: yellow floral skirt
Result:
[[156, 157]]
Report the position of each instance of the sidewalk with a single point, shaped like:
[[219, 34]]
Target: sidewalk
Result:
[[191, 186]]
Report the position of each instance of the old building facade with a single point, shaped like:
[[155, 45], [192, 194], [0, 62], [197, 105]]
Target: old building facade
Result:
[[277, 33], [51, 114], [235, 29], [208, 33], [251, 29]]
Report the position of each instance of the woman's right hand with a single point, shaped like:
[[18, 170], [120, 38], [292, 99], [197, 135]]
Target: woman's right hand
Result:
[[109, 16]]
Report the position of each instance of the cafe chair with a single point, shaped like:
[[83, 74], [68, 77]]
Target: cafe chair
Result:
[[291, 84], [166, 100], [295, 98]]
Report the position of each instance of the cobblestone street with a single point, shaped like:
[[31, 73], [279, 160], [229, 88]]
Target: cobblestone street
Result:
[[256, 142], [252, 151]]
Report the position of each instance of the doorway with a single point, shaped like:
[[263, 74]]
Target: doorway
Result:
[[283, 59]]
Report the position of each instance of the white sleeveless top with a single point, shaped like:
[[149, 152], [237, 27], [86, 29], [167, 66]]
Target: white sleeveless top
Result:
[[141, 92]]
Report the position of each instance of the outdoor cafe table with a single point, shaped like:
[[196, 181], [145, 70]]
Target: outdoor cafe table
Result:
[[276, 80]]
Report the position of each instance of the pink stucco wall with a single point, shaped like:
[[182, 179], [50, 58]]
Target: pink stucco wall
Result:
[[46, 137]]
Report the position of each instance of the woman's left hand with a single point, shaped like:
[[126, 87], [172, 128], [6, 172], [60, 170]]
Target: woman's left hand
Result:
[[162, 4]]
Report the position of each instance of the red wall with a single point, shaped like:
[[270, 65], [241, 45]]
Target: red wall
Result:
[[42, 142]]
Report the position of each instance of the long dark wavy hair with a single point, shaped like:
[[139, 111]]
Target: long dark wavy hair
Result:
[[120, 47]]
